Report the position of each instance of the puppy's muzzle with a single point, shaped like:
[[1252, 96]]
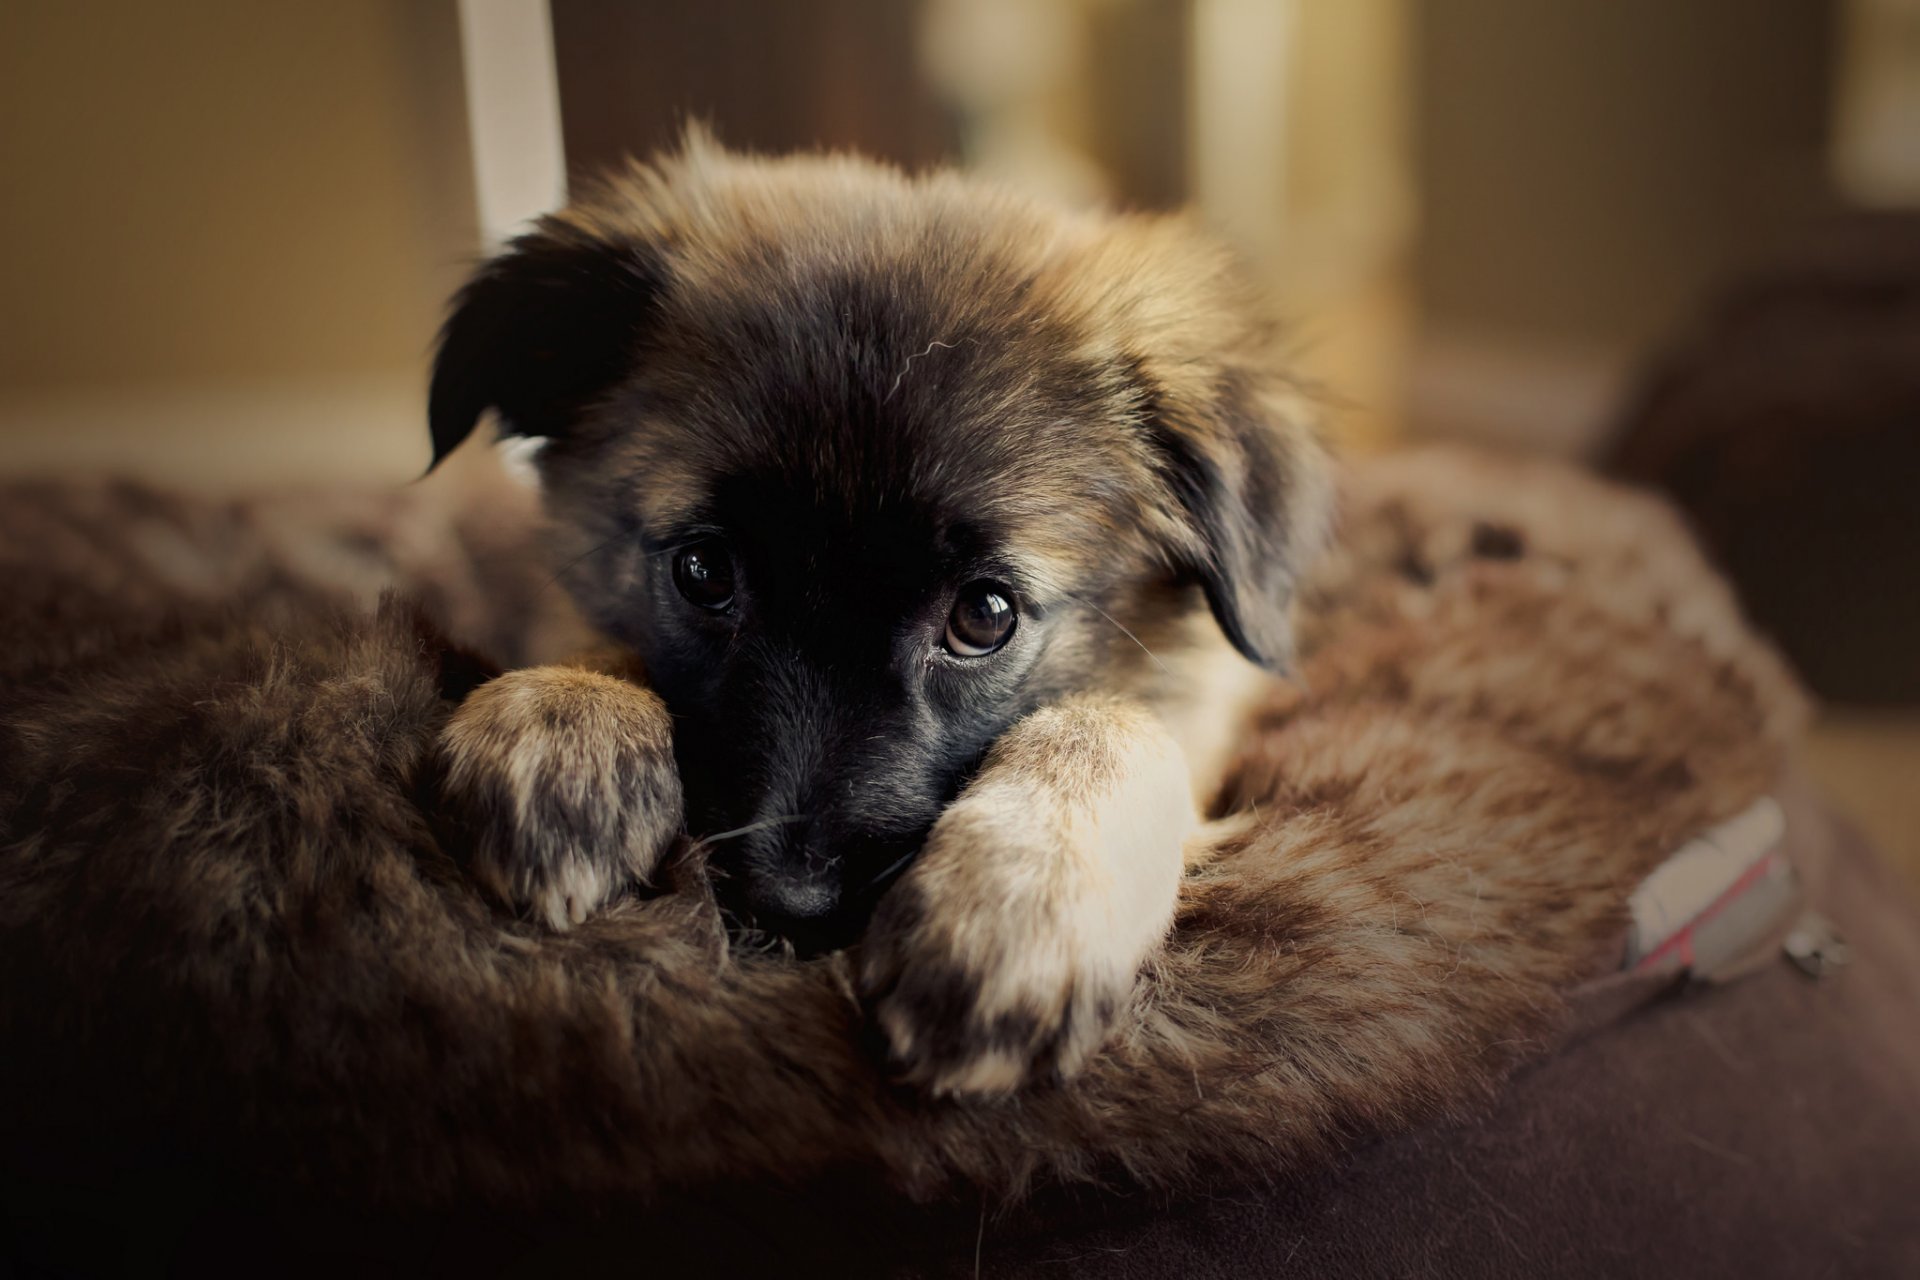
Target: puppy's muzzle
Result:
[[810, 889]]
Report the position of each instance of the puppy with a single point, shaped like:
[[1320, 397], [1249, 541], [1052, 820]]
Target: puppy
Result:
[[940, 534]]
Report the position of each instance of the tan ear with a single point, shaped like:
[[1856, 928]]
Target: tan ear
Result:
[[1252, 482], [1237, 443]]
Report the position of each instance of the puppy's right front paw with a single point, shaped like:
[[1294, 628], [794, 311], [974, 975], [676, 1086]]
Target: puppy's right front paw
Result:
[[560, 787], [981, 997], [1008, 951]]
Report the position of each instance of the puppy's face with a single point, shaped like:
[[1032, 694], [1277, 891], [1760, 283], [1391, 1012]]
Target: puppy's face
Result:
[[865, 468]]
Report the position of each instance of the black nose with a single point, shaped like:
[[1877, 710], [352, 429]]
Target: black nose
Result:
[[809, 911], [813, 883]]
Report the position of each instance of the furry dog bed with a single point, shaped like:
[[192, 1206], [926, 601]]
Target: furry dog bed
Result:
[[229, 940]]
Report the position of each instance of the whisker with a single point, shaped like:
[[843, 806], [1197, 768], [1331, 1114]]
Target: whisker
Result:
[[580, 559], [668, 549], [1123, 631], [749, 829], [744, 935], [893, 869]]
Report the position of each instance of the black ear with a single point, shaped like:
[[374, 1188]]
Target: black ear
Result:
[[539, 332], [1252, 483]]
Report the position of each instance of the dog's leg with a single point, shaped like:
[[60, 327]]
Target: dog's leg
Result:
[[1011, 946], [558, 785]]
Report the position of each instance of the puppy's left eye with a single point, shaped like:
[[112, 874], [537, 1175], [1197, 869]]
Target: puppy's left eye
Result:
[[704, 574], [981, 621]]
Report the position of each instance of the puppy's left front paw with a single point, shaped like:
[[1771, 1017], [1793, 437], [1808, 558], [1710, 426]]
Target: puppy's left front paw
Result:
[[557, 787], [1009, 951]]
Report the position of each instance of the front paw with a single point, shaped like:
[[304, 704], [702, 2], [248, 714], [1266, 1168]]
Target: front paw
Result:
[[987, 1000], [559, 788], [1008, 952]]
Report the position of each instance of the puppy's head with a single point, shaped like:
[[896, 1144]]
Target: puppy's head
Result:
[[867, 466]]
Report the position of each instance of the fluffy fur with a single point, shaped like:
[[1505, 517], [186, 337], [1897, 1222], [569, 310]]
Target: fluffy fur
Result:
[[864, 391], [228, 934], [1007, 951], [861, 398]]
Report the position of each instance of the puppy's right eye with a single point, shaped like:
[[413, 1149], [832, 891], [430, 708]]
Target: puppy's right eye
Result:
[[704, 574], [981, 621]]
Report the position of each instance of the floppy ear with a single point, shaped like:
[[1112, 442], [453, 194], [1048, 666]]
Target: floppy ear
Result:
[[539, 332], [1252, 481]]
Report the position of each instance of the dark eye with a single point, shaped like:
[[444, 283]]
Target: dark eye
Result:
[[704, 574], [981, 621]]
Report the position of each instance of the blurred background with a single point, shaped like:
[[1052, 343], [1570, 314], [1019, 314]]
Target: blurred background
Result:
[[1674, 240]]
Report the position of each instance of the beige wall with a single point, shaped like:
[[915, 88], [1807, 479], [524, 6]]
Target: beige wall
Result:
[[215, 208], [1587, 174]]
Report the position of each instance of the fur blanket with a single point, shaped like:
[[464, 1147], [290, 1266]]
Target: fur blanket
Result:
[[227, 933]]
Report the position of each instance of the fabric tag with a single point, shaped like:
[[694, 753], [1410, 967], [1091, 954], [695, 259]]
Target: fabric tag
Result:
[[1721, 901]]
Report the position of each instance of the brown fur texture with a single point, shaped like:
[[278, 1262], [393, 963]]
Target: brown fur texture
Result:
[[553, 822], [227, 932]]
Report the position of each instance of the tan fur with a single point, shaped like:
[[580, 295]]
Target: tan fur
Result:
[[1156, 291], [563, 780], [1154, 287], [717, 209], [1012, 943], [1207, 701]]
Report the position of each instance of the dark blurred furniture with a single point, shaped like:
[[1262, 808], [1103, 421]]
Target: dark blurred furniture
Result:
[[1788, 428]]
